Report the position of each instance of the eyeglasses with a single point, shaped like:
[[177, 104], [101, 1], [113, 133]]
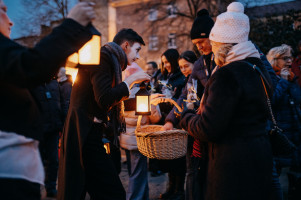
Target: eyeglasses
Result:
[[286, 58]]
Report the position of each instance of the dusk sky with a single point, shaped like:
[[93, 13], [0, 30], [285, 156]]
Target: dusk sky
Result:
[[16, 11]]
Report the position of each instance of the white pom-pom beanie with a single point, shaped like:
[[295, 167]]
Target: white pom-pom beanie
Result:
[[232, 26]]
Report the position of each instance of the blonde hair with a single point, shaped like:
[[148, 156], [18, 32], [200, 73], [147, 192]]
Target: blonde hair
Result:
[[221, 54], [277, 52]]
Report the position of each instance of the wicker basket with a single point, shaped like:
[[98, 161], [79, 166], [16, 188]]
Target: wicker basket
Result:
[[154, 143]]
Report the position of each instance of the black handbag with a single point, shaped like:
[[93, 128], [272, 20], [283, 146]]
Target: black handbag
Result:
[[281, 145]]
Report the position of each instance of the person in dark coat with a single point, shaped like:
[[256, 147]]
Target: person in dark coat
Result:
[[48, 97], [177, 179], [65, 87], [170, 82], [233, 114], [151, 69], [21, 68], [286, 108], [202, 70], [174, 81], [171, 74], [84, 165]]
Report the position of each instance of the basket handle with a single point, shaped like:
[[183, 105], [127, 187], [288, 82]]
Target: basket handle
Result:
[[138, 123], [155, 102]]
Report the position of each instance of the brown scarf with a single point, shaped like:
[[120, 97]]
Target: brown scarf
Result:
[[117, 112]]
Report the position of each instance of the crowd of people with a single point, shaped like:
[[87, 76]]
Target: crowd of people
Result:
[[225, 113]]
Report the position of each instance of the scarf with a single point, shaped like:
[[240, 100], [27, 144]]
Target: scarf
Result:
[[241, 51], [117, 113]]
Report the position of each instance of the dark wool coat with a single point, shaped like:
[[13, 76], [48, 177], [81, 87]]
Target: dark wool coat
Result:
[[176, 80], [233, 123], [49, 99], [198, 73], [92, 96], [65, 94], [22, 68]]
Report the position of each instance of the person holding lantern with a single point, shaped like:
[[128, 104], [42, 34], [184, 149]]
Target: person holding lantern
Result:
[[21, 68], [233, 115], [84, 165]]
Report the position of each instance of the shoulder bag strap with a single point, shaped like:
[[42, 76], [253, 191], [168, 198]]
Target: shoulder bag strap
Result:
[[264, 83]]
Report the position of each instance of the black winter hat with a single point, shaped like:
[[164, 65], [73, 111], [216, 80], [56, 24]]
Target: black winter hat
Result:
[[202, 25]]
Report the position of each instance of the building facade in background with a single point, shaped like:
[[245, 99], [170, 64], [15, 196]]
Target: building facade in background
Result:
[[162, 24]]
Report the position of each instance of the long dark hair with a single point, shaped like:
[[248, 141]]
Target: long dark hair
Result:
[[188, 56], [172, 56]]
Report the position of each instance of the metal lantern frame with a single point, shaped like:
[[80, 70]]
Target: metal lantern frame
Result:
[[143, 95], [79, 58]]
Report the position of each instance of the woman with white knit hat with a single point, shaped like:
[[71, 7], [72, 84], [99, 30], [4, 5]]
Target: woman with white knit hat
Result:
[[233, 115]]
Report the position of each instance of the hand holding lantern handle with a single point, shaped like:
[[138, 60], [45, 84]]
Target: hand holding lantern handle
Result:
[[83, 13]]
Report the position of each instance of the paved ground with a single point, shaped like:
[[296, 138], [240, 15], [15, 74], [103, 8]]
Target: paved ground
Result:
[[157, 185]]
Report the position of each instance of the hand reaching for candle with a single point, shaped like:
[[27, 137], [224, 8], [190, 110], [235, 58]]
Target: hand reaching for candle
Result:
[[156, 95], [137, 77]]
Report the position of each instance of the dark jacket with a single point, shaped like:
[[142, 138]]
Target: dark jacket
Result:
[[154, 78], [22, 68], [49, 99], [65, 88], [233, 123], [93, 95], [177, 82], [286, 108], [198, 73]]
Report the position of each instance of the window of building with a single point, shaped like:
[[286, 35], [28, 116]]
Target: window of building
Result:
[[152, 14], [171, 11], [153, 43], [172, 41]]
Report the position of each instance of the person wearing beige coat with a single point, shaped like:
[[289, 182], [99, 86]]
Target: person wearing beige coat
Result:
[[136, 162]]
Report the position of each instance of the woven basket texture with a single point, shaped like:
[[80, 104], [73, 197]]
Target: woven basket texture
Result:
[[163, 145]]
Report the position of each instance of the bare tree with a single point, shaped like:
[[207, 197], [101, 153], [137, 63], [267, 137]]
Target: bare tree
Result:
[[174, 17], [42, 12]]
